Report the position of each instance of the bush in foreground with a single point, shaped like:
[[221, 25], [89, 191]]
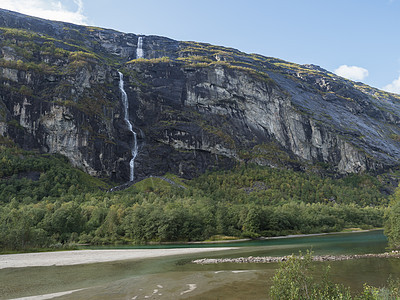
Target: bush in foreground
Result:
[[294, 281]]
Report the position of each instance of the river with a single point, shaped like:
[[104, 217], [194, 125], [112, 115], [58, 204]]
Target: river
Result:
[[174, 277]]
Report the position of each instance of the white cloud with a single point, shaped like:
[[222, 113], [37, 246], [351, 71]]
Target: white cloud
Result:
[[47, 9], [352, 72], [393, 87]]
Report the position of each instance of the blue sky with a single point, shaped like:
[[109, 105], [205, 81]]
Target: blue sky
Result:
[[356, 38]]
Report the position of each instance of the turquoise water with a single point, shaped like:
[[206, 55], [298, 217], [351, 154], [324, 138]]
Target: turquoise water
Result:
[[354, 241], [171, 276]]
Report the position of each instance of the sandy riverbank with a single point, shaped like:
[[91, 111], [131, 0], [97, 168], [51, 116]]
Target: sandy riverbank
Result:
[[64, 258]]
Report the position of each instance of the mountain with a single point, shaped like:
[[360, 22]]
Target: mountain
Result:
[[190, 107]]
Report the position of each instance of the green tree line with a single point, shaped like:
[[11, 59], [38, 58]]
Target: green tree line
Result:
[[45, 202]]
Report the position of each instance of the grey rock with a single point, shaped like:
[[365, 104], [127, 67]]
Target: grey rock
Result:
[[190, 116]]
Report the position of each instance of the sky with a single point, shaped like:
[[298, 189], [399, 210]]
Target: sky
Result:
[[356, 39]]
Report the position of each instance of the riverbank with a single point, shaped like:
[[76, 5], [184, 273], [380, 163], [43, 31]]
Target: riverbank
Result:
[[200, 242], [173, 275], [77, 257], [275, 259], [351, 230], [238, 240]]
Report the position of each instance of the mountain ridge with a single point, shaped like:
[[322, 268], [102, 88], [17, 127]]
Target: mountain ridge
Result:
[[195, 106]]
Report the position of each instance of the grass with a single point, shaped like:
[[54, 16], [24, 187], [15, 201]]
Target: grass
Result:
[[218, 237], [163, 59], [150, 184], [154, 183]]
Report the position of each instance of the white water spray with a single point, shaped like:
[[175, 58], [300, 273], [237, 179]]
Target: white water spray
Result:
[[139, 49], [134, 149]]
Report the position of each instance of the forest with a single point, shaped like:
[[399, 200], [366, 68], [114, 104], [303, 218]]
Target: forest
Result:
[[46, 203]]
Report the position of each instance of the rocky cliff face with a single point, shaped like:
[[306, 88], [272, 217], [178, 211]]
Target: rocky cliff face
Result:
[[194, 106]]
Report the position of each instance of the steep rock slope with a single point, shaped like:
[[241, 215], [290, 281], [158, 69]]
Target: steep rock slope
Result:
[[193, 106]]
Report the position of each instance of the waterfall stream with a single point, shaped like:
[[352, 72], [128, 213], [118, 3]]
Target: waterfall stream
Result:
[[134, 148], [139, 49]]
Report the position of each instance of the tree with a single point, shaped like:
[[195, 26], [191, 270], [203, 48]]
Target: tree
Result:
[[64, 221], [294, 281], [392, 220]]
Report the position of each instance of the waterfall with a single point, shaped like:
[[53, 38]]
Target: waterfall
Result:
[[139, 49], [134, 149]]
